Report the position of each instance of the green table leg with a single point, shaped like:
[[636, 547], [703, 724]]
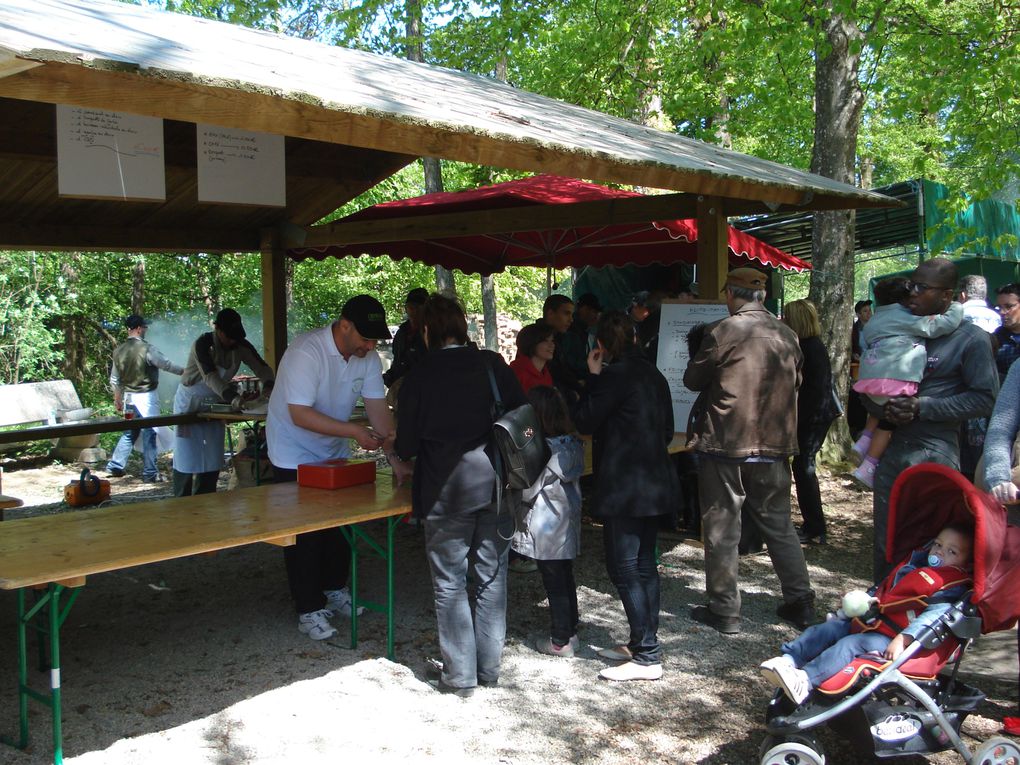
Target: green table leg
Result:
[[54, 620], [355, 534]]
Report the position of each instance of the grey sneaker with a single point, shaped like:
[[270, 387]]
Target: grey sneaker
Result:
[[316, 624], [548, 647], [339, 603]]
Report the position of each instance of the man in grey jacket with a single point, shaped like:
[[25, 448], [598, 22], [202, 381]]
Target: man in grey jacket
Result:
[[748, 370], [960, 382]]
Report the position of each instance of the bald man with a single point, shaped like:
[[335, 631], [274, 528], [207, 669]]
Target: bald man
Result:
[[960, 382]]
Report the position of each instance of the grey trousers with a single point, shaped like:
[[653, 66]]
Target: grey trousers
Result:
[[763, 489], [467, 554], [898, 456]]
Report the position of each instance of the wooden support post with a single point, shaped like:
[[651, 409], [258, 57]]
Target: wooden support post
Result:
[[713, 247], [274, 298]]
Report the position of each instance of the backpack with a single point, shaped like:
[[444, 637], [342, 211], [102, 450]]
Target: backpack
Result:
[[521, 450]]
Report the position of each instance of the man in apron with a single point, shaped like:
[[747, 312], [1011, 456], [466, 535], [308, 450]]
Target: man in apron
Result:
[[134, 377], [213, 361]]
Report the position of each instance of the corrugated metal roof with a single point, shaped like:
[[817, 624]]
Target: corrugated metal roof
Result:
[[877, 229], [105, 35]]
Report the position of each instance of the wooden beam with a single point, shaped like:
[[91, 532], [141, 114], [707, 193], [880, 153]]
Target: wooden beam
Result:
[[274, 298], [74, 581], [713, 251], [287, 541], [11, 64], [147, 93], [608, 212], [55, 237]]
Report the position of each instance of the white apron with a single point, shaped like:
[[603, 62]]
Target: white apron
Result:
[[147, 405], [198, 448]]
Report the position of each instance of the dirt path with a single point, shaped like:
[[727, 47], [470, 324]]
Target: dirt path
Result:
[[198, 661]]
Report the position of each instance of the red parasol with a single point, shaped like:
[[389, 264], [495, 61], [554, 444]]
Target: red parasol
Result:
[[664, 242]]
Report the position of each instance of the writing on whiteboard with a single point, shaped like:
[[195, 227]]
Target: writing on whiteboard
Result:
[[675, 321], [109, 155], [241, 167], [218, 146]]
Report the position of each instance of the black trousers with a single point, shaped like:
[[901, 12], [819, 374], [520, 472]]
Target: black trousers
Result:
[[187, 484], [558, 579], [317, 561]]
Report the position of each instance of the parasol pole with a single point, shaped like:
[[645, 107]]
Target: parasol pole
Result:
[[548, 281]]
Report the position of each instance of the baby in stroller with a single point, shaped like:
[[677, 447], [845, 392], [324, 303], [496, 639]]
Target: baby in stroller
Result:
[[903, 696], [913, 596]]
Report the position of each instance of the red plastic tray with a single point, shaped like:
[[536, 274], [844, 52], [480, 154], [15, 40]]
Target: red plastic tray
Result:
[[336, 474]]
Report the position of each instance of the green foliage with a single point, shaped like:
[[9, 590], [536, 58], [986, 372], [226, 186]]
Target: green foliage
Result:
[[28, 305]]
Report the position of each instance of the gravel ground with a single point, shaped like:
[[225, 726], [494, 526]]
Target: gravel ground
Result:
[[198, 661]]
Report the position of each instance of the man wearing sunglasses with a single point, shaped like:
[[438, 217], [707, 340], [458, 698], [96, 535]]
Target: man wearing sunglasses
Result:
[[960, 382]]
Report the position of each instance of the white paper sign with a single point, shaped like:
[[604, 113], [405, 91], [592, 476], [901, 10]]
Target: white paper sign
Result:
[[241, 167], [675, 321], [109, 155]]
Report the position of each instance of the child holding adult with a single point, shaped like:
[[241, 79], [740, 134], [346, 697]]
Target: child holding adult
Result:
[[893, 361], [550, 531], [929, 581]]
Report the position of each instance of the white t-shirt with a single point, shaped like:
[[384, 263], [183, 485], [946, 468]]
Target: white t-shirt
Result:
[[977, 312], [313, 373]]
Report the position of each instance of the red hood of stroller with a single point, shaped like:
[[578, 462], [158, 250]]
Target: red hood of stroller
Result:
[[927, 497]]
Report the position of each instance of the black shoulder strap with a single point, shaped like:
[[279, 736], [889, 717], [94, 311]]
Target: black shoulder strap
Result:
[[495, 389]]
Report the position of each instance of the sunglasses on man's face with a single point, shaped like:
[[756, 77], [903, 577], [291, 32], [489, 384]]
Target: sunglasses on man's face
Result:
[[917, 287]]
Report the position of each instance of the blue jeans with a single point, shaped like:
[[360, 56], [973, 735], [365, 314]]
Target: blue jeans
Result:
[[824, 649], [467, 554], [127, 442], [630, 560]]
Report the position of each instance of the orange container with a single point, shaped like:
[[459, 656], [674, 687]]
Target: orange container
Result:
[[336, 474]]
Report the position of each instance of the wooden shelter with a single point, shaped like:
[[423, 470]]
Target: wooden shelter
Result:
[[350, 119]]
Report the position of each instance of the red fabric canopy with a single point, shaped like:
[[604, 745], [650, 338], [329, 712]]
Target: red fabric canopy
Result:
[[617, 245]]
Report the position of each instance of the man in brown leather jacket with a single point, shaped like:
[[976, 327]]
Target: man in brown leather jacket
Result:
[[748, 368]]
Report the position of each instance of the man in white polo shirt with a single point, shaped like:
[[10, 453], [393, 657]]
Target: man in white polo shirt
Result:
[[321, 376]]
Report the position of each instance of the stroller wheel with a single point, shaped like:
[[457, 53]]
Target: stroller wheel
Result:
[[998, 751], [790, 752]]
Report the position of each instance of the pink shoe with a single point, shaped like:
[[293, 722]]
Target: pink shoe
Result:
[[860, 448], [865, 473]]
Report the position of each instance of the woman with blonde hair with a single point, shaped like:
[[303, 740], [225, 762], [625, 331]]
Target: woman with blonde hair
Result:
[[815, 412]]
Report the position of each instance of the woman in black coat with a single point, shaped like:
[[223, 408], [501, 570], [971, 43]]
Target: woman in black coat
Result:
[[445, 425], [815, 412], [628, 409]]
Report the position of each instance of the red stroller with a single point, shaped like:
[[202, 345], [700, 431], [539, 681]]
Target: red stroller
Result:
[[916, 704]]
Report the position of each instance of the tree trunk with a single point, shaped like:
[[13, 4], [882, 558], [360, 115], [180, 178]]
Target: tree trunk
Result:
[[138, 286], [838, 105], [489, 313], [415, 51], [75, 356]]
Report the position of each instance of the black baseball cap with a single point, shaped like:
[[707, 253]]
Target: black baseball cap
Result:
[[229, 322], [134, 321], [417, 296], [368, 317]]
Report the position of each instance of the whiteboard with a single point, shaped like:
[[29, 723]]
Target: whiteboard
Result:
[[675, 321], [241, 167], [109, 155]]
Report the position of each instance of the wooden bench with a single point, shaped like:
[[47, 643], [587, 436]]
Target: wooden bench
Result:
[[58, 553], [42, 402]]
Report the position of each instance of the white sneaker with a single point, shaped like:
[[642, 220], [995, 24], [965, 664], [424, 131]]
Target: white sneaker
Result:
[[781, 673], [631, 671], [316, 624], [339, 603]]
